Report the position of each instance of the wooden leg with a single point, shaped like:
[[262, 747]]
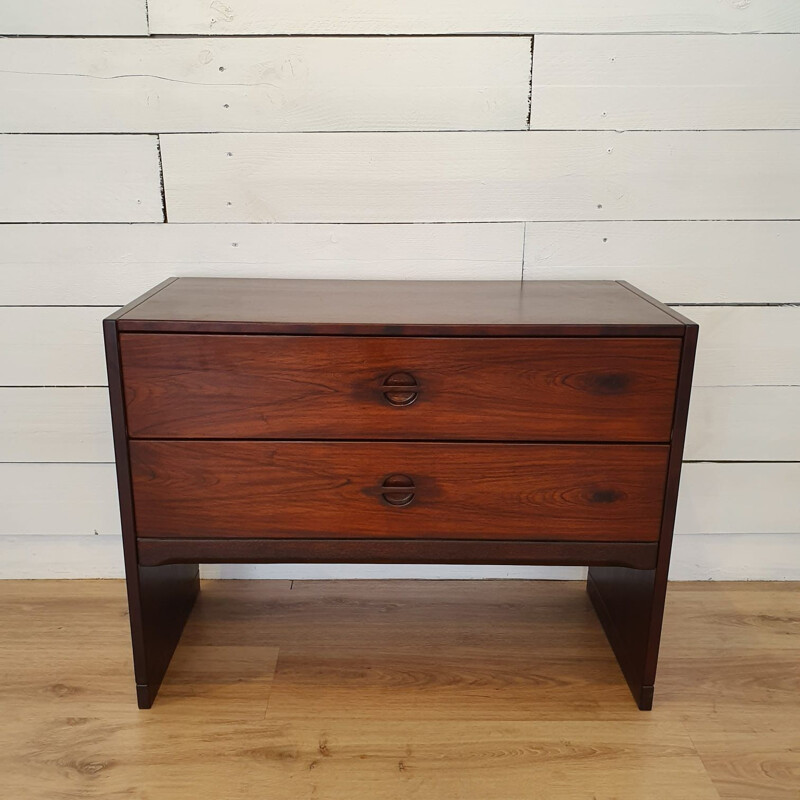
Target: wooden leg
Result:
[[159, 599], [630, 605]]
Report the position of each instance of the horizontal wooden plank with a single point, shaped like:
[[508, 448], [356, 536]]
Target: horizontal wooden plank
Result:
[[87, 17], [677, 262], [739, 557], [399, 308], [431, 572], [744, 423], [489, 176], [249, 84], [52, 346], [714, 499], [112, 264], [90, 556], [469, 16], [758, 556], [725, 424], [52, 425], [666, 82], [739, 346], [747, 346], [82, 556], [58, 499], [79, 179], [739, 498]]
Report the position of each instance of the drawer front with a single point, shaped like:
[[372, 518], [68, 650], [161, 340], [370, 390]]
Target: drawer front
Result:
[[228, 489], [331, 387]]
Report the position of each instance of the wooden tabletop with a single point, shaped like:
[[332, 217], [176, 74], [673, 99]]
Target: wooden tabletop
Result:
[[388, 308]]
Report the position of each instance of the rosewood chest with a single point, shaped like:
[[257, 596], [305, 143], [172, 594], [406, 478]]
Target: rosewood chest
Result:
[[479, 422]]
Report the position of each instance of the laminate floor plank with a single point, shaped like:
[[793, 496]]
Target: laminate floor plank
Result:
[[369, 690]]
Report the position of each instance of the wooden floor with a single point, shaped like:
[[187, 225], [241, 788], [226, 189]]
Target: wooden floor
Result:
[[399, 689]]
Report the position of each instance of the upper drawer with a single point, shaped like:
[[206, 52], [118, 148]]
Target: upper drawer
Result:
[[339, 387]]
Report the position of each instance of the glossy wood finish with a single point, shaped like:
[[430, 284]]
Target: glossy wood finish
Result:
[[335, 490], [331, 387], [159, 598], [459, 422], [630, 603], [156, 552], [473, 690], [400, 308]]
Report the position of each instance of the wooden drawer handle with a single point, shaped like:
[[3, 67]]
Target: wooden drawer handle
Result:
[[398, 490], [400, 389]]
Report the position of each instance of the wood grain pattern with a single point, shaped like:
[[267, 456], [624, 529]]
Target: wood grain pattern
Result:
[[678, 261], [739, 346], [300, 387], [401, 308], [491, 176], [238, 488], [141, 85], [470, 16], [630, 603], [344, 670], [160, 598], [108, 264], [715, 81], [726, 423], [315, 490], [716, 500], [665, 83], [743, 766], [155, 552], [79, 179]]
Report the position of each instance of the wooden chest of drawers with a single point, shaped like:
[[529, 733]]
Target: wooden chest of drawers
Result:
[[399, 422]]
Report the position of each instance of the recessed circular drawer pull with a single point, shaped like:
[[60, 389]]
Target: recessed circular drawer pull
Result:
[[400, 389], [398, 490]]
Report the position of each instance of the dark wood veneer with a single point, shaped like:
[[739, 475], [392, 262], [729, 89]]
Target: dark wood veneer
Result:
[[630, 603], [335, 489], [159, 597], [399, 308], [301, 387], [491, 422], [639, 555]]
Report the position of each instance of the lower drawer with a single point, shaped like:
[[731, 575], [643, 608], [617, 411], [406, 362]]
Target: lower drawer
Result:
[[259, 489]]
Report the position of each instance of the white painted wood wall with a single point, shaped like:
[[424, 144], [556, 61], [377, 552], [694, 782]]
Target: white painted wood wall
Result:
[[656, 141]]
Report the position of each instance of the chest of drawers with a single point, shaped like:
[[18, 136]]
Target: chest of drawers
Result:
[[489, 422]]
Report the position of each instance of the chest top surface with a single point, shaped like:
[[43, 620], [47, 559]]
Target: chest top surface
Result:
[[397, 308]]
